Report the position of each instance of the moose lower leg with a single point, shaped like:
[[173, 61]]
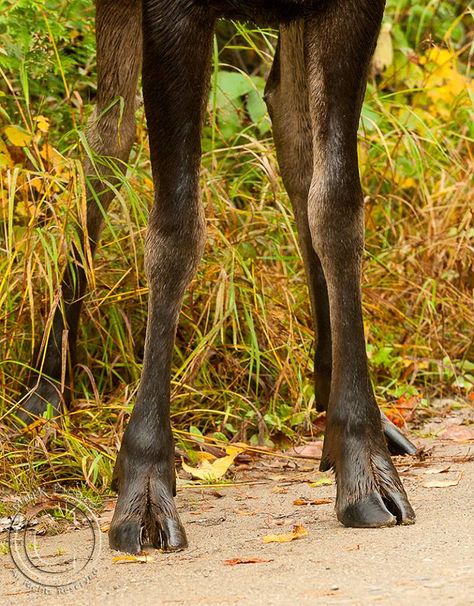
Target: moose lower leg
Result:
[[111, 132], [338, 47], [287, 98], [286, 95], [177, 53]]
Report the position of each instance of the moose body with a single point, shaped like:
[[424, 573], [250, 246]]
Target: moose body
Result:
[[314, 95]]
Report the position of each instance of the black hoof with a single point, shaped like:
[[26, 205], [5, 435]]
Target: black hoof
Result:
[[152, 527], [368, 512], [370, 493], [146, 514], [126, 536]]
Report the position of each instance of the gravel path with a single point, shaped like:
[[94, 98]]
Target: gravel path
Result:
[[431, 562]]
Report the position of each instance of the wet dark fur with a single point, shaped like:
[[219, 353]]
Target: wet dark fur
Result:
[[314, 94]]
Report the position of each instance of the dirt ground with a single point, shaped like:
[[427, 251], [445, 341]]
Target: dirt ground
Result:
[[431, 562]]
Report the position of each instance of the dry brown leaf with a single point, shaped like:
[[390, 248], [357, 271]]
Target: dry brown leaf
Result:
[[303, 501], [458, 433], [313, 450], [236, 561], [356, 547], [298, 532], [246, 512], [279, 490]]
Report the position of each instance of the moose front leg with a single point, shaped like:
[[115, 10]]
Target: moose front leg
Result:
[[176, 67], [339, 42]]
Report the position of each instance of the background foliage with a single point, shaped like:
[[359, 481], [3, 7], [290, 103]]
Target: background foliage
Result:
[[243, 361]]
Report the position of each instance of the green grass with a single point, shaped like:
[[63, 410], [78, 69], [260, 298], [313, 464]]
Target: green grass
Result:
[[243, 358]]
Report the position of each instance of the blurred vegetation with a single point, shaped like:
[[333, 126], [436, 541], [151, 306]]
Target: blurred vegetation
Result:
[[243, 358]]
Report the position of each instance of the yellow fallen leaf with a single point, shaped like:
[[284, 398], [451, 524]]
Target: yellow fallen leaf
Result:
[[51, 155], [205, 456], [212, 471], [235, 449], [132, 559], [5, 158], [298, 532], [321, 482], [17, 136], [42, 123]]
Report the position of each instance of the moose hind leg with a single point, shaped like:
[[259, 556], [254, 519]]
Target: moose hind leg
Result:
[[338, 48], [110, 133], [176, 69], [287, 97]]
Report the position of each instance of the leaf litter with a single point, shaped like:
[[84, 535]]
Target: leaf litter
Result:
[[298, 532]]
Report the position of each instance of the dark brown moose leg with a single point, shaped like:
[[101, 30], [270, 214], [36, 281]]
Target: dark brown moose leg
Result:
[[176, 68], [110, 135], [287, 98], [339, 41]]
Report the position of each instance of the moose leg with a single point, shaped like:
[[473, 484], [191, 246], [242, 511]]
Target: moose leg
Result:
[[338, 47], [110, 134], [287, 97], [176, 69]]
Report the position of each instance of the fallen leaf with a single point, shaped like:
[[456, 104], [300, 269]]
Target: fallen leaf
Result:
[[236, 561], [321, 482], [42, 123], [132, 559], [246, 512], [438, 470], [5, 158], [212, 471], [17, 136], [458, 433], [303, 501], [279, 490], [402, 410], [442, 483], [313, 450], [204, 456], [298, 532]]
